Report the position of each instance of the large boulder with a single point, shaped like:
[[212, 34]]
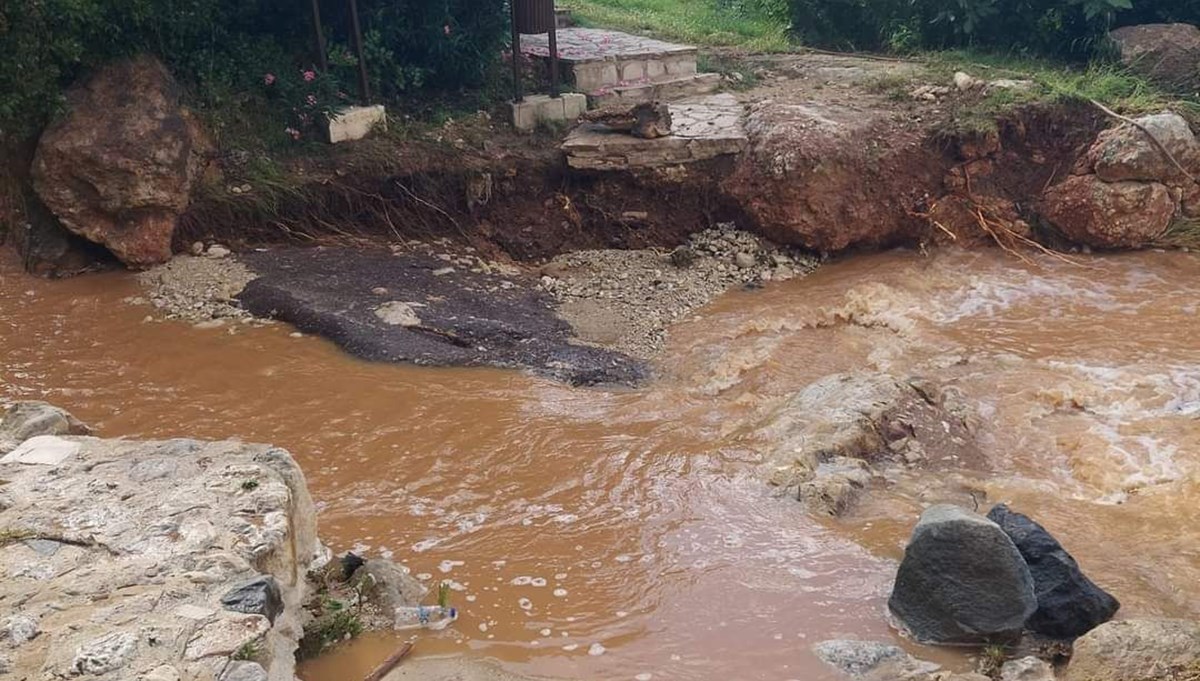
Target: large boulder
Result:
[[1127, 153], [829, 177], [1102, 214], [119, 168], [962, 580], [1137, 650], [1167, 53], [1069, 604], [827, 434]]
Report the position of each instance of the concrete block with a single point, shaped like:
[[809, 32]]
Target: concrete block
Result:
[[655, 68], [594, 75], [633, 70], [356, 122], [682, 65], [527, 113]]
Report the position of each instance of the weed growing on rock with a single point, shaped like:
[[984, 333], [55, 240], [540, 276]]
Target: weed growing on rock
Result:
[[333, 622], [12, 536], [991, 659], [248, 651]]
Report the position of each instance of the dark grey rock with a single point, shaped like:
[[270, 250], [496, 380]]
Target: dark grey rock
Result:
[[1069, 604], [872, 660], [463, 318], [259, 596], [962, 580]]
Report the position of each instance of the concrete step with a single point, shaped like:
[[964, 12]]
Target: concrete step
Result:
[[596, 58], [647, 90]]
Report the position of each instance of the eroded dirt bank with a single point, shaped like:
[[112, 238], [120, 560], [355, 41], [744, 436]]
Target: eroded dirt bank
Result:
[[645, 511]]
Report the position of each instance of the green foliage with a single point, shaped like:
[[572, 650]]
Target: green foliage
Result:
[[1075, 29], [332, 623], [222, 50]]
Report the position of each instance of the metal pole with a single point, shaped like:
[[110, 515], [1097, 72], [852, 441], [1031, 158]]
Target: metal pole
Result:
[[364, 89], [322, 58], [553, 40], [516, 54]]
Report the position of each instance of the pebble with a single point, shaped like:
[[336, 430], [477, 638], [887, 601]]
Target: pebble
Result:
[[596, 650], [647, 289]]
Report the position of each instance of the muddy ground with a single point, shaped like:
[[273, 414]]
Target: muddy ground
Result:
[[589, 317]]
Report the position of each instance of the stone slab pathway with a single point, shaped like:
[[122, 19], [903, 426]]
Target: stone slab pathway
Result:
[[582, 45], [702, 128]]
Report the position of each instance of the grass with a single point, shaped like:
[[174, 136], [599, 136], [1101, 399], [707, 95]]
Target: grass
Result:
[[1102, 81], [1183, 233], [698, 22]]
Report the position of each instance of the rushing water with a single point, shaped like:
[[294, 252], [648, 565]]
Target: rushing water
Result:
[[635, 519]]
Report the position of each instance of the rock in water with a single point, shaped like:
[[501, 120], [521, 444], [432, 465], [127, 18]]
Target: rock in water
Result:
[[1027, 669], [119, 168], [1166, 53], [25, 420], [872, 661], [387, 586], [1069, 604], [1136, 650], [1102, 214], [962, 580]]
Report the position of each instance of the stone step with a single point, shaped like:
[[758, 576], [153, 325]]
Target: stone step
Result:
[[595, 58], [649, 90]]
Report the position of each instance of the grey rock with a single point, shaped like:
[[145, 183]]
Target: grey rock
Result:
[[259, 596], [1127, 153], [242, 670], [104, 654], [24, 420], [962, 580], [872, 660], [1136, 650], [387, 585], [743, 260], [1027, 669], [835, 485], [1166, 53], [19, 629], [163, 672], [1069, 604]]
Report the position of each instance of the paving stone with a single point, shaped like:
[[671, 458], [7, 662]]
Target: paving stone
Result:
[[702, 128]]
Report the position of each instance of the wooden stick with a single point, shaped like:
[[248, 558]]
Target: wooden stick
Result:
[[390, 663], [1139, 126]]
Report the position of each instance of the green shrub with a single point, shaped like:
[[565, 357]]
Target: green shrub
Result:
[[1063, 28], [222, 49]]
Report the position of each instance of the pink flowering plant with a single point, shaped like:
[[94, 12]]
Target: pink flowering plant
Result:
[[305, 97]]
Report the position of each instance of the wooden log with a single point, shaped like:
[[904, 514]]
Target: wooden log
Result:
[[648, 120], [390, 663]]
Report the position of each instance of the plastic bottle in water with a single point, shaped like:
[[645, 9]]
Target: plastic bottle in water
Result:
[[425, 616]]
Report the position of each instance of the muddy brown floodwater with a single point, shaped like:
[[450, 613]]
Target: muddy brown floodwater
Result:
[[636, 519]]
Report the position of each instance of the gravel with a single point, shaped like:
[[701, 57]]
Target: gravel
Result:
[[198, 289], [626, 299]]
